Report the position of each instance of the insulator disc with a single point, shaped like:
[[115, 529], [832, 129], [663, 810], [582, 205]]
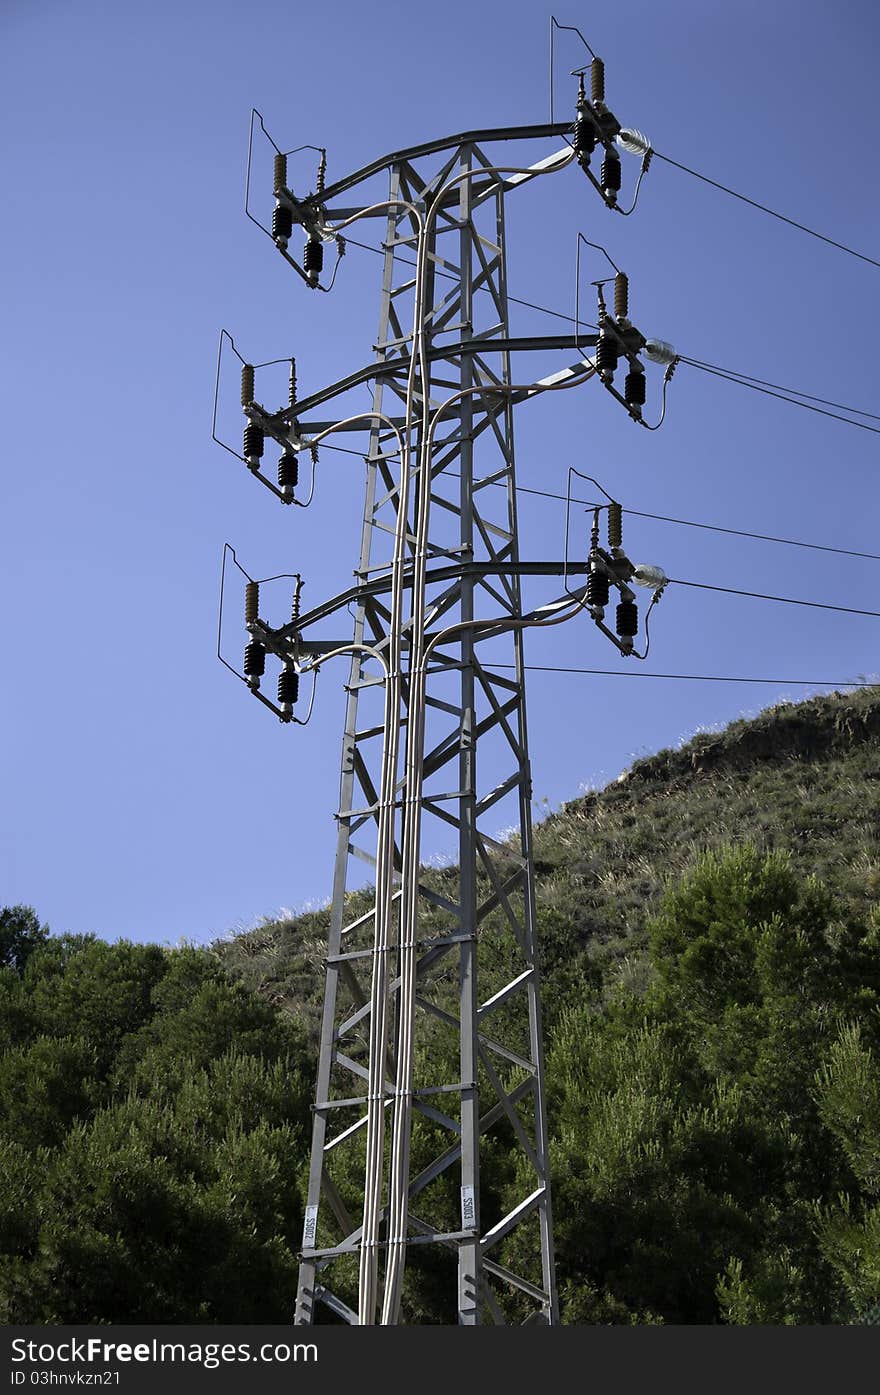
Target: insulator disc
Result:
[[597, 588], [282, 221], [634, 389], [253, 442], [251, 601], [254, 660], [627, 622], [288, 686], [288, 470]]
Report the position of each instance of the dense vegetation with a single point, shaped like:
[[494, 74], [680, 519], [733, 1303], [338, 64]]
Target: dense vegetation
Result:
[[711, 950], [149, 1111]]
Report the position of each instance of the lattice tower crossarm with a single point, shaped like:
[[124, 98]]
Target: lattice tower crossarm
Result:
[[431, 1041]]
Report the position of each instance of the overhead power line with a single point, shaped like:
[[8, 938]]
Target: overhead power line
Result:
[[794, 392], [760, 537], [742, 381], [662, 517], [762, 207], [701, 677], [695, 174], [784, 600], [448, 276], [733, 375]]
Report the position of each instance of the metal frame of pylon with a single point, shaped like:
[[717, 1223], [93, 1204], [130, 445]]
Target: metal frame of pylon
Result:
[[476, 720], [450, 951], [437, 606]]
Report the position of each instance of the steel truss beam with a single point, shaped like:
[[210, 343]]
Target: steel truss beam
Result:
[[479, 1074]]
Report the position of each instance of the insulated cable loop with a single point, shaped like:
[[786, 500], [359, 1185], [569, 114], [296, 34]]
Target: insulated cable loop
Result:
[[225, 335], [594, 536], [646, 165], [667, 378], [554, 24], [247, 183]]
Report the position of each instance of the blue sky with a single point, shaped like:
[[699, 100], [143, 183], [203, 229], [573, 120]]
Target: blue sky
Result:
[[144, 794]]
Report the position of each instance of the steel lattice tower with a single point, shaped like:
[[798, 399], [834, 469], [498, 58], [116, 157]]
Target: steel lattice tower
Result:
[[431, 1042], [475, 706]]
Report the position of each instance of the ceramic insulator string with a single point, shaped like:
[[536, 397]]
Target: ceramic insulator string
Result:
[[615, 524], [247, 384], [597, 80], [251, 601]]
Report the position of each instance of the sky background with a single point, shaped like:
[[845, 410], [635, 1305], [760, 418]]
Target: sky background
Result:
[[145, 794]]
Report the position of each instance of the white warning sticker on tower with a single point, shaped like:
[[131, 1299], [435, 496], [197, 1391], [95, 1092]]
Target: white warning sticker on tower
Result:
[[310, 1229], [468, 1208]]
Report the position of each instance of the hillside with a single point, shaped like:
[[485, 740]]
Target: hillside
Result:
[[710, 942], [803, 778]]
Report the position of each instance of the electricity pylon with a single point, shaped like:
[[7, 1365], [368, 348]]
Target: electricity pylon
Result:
[[475, 753], [431, 1040]]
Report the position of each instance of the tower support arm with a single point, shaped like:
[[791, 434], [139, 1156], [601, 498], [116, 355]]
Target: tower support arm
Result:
[[543, 131]]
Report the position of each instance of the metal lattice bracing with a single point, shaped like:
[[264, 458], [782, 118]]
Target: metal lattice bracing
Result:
[[477, 1083]]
